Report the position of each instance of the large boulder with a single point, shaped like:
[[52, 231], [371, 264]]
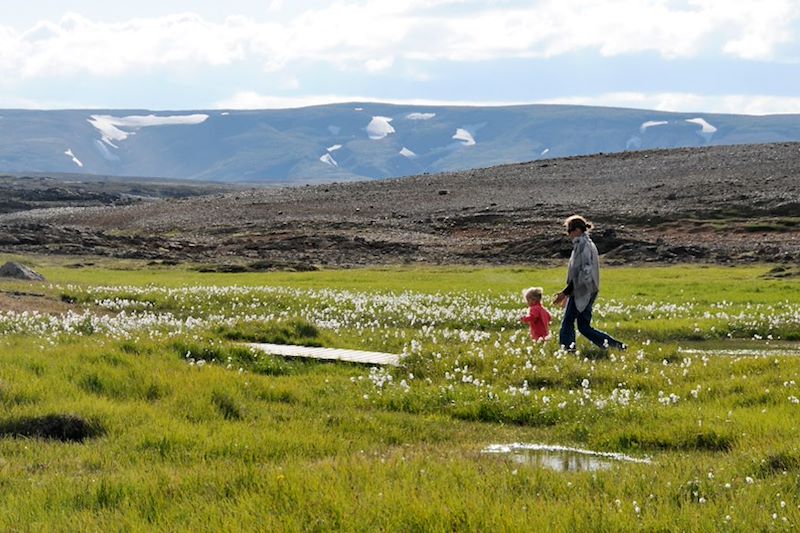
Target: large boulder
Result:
[[18, 271]]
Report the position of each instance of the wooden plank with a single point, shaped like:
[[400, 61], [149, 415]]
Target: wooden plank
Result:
[[328, 354]]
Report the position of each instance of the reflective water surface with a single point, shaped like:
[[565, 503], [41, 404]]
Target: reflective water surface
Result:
[[741, 347], [560, 458]]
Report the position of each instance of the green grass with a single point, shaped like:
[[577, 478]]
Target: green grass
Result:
[[191, 431]]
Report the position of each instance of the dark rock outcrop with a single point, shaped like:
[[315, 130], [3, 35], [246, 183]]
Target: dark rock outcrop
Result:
[[19, 271]]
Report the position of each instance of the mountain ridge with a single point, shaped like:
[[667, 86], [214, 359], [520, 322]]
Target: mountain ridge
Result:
[[351, 141]]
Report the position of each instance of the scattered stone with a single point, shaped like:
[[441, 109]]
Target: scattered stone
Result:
[[258, 266], [734, 204], [19, 271], [783, 272]]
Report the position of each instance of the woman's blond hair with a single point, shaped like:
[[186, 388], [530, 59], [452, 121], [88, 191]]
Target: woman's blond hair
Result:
[[577, 222]]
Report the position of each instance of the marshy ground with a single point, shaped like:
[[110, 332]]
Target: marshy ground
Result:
[[191, 431]]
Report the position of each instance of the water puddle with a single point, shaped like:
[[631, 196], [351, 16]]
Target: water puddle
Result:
[[561, 458], [742, 348]]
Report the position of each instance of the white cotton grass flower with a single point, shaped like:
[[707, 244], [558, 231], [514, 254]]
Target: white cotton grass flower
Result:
[[497, 363]]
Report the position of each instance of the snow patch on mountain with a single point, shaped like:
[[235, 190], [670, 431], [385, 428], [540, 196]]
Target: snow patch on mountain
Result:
[[652, 124], [74, 159], [420, 116], [544, 152], [104, 151], [328, 160], [707, 128], [405, 152], [379, 127], [464, 136], [110, 126], [334, 147]]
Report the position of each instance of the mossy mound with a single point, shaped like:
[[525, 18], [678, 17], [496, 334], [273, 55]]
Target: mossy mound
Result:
[[61, 427]]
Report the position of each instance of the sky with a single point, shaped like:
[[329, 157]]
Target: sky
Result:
[[713, 56]]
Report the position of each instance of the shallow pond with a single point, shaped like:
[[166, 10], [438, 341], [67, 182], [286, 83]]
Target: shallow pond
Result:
[[560, 458], [741, 347]]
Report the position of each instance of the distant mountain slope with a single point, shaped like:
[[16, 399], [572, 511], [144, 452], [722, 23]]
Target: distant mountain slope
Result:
[[350, 141]]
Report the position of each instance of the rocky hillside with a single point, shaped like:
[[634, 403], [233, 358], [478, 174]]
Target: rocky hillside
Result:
[[722, 204], [23, 193]]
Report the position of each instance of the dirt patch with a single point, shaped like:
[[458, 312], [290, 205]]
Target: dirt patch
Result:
[[20, 301]]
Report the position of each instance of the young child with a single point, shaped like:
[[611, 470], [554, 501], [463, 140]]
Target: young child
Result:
[[538, 317]]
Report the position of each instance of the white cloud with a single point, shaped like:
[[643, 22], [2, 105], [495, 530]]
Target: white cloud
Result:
[[77, 44], [377, 65], [683, 102], [554, 27], [373, 36], [738, 104], [290, 83], [254, 100]]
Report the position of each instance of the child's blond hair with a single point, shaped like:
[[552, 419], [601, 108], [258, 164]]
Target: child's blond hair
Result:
[[532, 293]]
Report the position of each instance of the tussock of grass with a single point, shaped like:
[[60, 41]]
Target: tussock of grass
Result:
[[282, 395], [227, 405], [10, 397], [492, 412], [123, 385], [61, 427], [676, 439], [781, 463], [293, 331]]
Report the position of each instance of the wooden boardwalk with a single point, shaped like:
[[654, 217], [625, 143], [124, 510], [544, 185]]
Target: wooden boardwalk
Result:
[[329, 354]]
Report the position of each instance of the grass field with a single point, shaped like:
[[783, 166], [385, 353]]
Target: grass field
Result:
[[180, 428]]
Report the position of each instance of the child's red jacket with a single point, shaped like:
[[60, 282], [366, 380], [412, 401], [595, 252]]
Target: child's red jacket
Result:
[[539, 320]]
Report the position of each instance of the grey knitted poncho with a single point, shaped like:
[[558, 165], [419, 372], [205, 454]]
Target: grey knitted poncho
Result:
[[583, 271]]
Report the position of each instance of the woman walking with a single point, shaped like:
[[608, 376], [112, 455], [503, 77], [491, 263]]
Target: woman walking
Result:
[[583, 284]]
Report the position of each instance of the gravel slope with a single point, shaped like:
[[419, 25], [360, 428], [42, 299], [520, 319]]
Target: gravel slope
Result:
[[718, 204]]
